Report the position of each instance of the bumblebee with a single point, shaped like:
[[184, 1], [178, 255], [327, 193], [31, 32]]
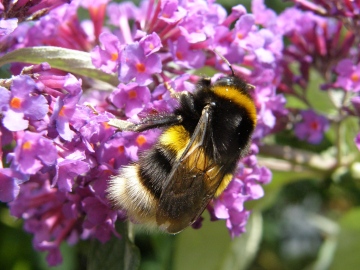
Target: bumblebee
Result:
[[194, 158]]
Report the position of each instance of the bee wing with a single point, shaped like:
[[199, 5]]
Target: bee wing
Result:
[[192, 181]]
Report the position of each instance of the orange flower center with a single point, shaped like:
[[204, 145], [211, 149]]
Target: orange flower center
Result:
[[106, 125], [314, 125], [240, 36], [114, 56], [62, 113], [141, 140], [26, 145], [132, 94], [179, 56], [355, 77], [121, 149], [140, 67], [15, 103]]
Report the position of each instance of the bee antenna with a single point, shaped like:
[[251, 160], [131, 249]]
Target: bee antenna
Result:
[[225, 60]]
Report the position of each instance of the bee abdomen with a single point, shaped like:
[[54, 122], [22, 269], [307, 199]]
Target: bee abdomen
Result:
[[154, 167], [138, 187], [126, 191]]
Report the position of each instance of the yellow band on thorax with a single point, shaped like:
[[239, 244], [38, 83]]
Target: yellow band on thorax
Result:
[[242, 100], [176, 138]]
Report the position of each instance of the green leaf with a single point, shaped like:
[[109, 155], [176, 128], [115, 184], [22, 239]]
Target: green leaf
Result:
[[242, 250], [348, 242], [118, 253], [72, 61], [203, 248], [319, 99], [212, 248], [329, 229], [279, 181], [156, 249]]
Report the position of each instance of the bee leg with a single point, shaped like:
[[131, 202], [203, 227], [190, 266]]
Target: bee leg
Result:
[[121, 124], [250, 86], [172, 91], [150, 122]]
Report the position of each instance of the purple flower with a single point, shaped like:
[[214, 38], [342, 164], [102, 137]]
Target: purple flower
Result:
[[62, 28], [236, 12], [115, 152], [245, 186], [322, 42], [242, 31], [139, 142], [132, 97], [232, 198], [270, 106], [32, 153], [10, 184], [120, 15], [67, 171], [184, 56], [135, 65], [22, 104], [150, 43], [230, 206], [41, 207], [312, 127], [99, 218], [171, 12], [95, 130], [344, 10], [106, 57], [29, 10], [294, 20], [348, 75], [65, 107], [193, 25], [263, 16], [7, 26], [97, 14]]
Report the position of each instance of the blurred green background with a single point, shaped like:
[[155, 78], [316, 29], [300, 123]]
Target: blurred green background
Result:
[[306, 220]]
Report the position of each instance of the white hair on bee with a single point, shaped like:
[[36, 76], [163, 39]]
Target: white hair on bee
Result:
[[127, 192]]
